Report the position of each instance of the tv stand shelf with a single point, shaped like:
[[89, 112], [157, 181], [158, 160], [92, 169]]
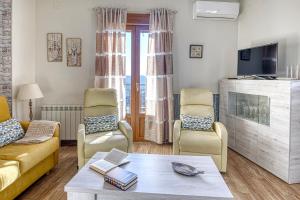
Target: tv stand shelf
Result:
[[255, 77], [270, 134]]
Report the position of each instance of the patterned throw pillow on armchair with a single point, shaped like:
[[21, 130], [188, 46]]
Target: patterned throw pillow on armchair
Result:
[[196, 123], [101, 123]]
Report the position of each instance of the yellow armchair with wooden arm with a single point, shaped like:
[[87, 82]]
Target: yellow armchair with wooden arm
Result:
[[21, 165], [199, 102]]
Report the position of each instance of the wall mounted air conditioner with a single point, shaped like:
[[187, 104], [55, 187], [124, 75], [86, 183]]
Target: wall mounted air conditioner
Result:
[[216, 10]]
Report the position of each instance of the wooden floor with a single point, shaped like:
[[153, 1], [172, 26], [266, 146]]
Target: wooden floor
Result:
[[245, 179]]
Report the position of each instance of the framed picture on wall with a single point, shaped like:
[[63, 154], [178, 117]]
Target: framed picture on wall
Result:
[[196, 51], [54, 47], [73, 52]]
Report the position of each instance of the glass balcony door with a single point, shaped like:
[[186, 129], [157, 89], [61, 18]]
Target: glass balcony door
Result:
[[136, 66]]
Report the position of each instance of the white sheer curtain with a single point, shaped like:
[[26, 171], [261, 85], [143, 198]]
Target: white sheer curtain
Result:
[[159, 92], [110, 52]]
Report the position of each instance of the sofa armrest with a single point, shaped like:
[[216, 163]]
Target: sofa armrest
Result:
[[126, 129], [80, 145], [25, 125], [176, 137], [56, 132], [222, 133]]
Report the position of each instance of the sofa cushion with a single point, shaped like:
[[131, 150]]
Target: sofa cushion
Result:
[[101, 124], [204, 142], [9, 172], [10, 131], [29, 155], [104, 141]]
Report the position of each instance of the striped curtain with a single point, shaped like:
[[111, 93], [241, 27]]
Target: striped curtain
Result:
[[159, 92], [110, 52]]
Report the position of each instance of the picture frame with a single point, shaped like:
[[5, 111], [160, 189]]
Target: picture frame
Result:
[[74, 52], [196, 51], [54, 47]]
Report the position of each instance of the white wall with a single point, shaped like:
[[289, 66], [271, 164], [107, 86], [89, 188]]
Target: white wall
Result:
[[75, 18], [268, 21], [260, 22], [23, 51]]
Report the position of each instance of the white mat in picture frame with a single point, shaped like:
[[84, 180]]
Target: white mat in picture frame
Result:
[[74, 52], [54, 47]]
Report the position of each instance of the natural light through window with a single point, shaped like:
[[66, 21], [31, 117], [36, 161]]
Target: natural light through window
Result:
[[128, 71], [143, 69]]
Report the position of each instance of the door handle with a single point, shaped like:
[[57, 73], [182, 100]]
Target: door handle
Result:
[[137, 86]]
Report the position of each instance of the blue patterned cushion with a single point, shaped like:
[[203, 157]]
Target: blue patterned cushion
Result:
[[196, 123], [10, 131], [101, 123]]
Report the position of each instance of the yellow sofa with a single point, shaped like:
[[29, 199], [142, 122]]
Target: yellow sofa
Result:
[[21, 165], [199, 102]]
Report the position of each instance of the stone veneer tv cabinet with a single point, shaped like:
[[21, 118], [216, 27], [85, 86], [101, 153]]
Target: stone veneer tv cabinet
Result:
[[267, 132]]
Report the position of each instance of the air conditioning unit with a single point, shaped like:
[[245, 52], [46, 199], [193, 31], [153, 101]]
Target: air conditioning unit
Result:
[[216, 10]]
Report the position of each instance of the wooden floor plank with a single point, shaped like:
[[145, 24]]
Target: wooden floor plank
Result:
[[245, 179]]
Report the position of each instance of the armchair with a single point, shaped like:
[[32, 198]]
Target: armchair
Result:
[[199, 102], [102, 102]]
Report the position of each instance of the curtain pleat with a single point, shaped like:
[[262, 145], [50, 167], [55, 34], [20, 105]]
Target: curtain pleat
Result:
[[159, 88], [110, 52]]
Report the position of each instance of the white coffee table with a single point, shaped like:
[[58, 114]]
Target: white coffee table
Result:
[[156, 180]]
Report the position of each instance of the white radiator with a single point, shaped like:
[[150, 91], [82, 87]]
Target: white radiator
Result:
[[69, 116]]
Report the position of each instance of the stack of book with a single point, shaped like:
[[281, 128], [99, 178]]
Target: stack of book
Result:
[[113, 174], [121, 178]]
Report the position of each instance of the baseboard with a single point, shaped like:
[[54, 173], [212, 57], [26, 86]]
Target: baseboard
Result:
[[68, 142]]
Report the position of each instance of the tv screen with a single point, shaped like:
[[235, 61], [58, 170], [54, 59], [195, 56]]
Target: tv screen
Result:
[[260, 61]]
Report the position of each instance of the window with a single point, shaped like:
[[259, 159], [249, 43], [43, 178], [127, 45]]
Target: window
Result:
[[137, 36]]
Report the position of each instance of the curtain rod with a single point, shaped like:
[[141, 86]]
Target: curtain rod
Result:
[[140, 12], [173, 11]]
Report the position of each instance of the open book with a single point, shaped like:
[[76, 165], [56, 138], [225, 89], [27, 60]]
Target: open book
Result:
[[112, 160]]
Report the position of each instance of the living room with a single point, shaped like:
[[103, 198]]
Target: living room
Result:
[[208, 85]]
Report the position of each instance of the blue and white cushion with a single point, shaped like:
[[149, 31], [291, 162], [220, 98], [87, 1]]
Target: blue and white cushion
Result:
[[101, 124], [196, 123], [10, 131]]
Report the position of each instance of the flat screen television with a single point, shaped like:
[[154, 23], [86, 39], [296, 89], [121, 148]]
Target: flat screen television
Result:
[[259, 61]]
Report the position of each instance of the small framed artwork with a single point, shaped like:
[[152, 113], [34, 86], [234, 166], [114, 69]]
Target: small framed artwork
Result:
[[54, 47], [74, 52], [196, 51]]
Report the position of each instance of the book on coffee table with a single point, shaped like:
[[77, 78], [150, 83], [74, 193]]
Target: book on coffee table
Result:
[[112, 160], [121, 178]]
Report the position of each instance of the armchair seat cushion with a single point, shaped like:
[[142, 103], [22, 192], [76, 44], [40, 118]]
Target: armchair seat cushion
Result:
[[104, 142], [204, 142], [9, 172], [29, 155]]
